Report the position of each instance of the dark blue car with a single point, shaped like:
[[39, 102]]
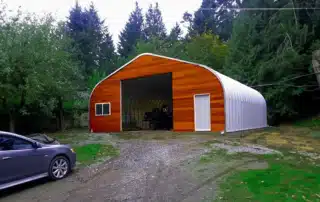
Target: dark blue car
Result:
[[24, 159]]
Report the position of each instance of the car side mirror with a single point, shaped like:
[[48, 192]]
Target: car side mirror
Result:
[[36, 145]]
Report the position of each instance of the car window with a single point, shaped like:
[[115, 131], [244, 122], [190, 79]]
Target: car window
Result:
[[4, 143], [13, 143]]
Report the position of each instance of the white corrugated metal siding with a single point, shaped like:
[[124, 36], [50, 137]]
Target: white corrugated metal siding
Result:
[[245, 108]]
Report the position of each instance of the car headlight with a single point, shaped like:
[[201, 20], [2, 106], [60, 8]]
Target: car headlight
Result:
[[72, 150]]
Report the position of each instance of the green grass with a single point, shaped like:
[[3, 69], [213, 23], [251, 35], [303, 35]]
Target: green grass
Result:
[[71, 136], [86, 153], [309, 123], [215, 155], [90, 153], [209, 143], [289, 177], [283, 181], [315, 134]]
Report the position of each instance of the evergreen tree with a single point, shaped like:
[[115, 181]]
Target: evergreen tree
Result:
[[175, 33], [90, 38], [74, 28], [272, 47], [93, 28], [154, 26], [204, 17], [215, 17], [108, 56], [131, 33]]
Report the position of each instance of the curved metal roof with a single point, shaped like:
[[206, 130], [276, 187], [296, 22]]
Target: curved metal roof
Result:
[[238, 91], [232, 89]]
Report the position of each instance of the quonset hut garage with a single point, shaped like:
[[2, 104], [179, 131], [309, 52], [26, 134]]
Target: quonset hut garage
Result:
[[199, 98]]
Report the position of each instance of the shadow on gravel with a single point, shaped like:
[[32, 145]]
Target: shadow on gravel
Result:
[[23, 187], [34, 185]]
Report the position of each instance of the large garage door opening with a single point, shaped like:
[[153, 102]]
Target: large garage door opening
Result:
[[147, 103]]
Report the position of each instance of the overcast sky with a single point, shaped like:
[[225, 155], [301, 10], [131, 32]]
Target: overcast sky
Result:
[[115, 12]]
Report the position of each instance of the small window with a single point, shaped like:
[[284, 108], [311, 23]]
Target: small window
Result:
[[99, 109], [103, 109]]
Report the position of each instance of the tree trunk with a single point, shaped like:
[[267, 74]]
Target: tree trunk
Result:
[[11, 123], [316, 64], [61, 117]]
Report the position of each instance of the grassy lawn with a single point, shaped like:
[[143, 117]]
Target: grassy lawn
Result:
[[71, 136], [90, 153], [215, 155], [289, 177], [90, 148], [284, 180], [310, 123]]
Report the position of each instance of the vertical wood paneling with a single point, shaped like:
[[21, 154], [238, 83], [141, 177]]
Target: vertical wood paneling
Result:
[[187, 80]]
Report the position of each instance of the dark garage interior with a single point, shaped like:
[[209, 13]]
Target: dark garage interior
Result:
[[147, 103]]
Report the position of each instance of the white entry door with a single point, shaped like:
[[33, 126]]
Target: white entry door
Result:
[[202, 112]]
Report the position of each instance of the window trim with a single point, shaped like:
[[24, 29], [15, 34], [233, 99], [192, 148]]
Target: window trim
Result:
[[102, 103]]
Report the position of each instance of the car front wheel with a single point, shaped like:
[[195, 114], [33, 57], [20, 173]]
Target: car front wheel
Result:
[[59, 168]]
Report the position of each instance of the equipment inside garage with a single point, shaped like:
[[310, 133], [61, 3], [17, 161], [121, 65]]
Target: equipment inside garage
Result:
[[147, 103]]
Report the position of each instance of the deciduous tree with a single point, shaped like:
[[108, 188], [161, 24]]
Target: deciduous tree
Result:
[[35, 68]]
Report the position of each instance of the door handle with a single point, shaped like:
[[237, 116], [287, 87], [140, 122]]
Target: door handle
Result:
[[6, 158]]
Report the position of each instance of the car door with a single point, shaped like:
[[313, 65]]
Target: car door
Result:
[[5, 170], [20, 159]]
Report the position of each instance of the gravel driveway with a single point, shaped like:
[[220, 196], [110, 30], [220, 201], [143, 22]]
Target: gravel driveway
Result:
[[146, 170]]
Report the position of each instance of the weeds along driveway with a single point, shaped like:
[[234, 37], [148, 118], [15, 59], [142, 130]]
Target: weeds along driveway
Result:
[[149, 168]]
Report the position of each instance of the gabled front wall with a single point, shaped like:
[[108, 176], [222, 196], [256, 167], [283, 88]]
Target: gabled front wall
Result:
[[187, 80]]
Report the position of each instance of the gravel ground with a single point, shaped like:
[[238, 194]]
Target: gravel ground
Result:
[[145, 171], [313, 156]]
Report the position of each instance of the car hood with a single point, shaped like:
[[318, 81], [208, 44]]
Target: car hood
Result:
[[56, 146], [44, 139]]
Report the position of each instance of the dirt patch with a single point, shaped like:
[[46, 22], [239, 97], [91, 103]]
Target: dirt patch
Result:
[[286, 137], [255, 165], [163, 135], [244, 148], [275, 139]]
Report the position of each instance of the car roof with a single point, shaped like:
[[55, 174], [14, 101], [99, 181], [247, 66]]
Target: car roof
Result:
[[14, 134]]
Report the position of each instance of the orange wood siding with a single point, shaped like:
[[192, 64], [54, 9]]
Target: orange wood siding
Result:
[[187, 80]]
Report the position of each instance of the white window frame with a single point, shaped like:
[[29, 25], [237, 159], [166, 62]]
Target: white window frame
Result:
[[103, 103]]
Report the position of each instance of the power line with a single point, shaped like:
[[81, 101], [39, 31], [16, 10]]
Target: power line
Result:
[[292, 85], [264, 9], [281, 82]]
